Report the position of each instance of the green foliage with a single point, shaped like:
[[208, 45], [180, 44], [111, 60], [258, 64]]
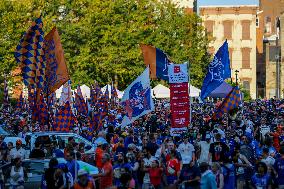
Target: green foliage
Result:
[[101, 38]]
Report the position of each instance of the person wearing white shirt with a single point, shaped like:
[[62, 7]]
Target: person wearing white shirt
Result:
[[267, 159], [186, 151], [147, 163], [18, 151], [204, 145]]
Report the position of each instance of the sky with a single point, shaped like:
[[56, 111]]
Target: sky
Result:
[[227, 2]]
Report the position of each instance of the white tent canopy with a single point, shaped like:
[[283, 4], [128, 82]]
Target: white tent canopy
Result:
[[160, 91], [86, 91], [59, 91], [194, 92]]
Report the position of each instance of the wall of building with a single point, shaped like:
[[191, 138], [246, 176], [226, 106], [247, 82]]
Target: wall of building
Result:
[[269, 12], [260, 57], [221, 17]]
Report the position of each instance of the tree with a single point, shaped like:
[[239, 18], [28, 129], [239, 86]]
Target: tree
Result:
[[101, 38]]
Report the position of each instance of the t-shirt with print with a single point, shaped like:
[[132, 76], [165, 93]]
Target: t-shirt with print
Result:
[[218, 151], [172, 164], [279, 168]]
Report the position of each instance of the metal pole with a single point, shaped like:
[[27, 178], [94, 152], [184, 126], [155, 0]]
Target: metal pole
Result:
[[277, 60], [190, 104], [236, 73], [277, 70]]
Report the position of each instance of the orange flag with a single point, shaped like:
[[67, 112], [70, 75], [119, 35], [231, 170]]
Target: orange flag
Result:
[[56, 68]]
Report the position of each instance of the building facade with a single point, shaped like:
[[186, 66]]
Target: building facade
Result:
[[269, 42], [237, 24]]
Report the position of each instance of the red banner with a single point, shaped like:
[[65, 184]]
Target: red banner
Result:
[[179, 104]]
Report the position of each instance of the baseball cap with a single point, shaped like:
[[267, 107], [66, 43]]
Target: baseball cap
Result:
[[19, 142]]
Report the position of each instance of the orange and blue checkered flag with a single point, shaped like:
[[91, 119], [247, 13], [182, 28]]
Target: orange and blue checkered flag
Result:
[[95, 92], [232, 101], [31, 96], [64, 118], [43, 115], [30, 55], [20, 102], [81, 105]]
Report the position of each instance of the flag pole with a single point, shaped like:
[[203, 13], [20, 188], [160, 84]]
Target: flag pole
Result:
[[190, 108]]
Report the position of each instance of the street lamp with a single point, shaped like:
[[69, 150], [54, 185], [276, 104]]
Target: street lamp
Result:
[[236, 74]]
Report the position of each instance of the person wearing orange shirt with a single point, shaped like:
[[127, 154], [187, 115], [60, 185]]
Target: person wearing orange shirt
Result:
[[98, 156], [106, 175]]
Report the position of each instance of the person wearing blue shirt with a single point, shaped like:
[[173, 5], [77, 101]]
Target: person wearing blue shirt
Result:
[[230, 143], [279, 169], [129, 139], [208, 179], [261, 180], [71, 163], [120, 168], [55, 151], [229, 173]]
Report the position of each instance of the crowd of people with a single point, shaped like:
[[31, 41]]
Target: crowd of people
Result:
[[243, 149]]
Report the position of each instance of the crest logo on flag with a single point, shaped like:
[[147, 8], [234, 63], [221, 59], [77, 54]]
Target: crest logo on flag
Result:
[[216, 69], [137, 100]]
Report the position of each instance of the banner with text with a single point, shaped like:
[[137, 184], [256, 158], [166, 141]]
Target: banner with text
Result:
[[179, 104], [178, 73]]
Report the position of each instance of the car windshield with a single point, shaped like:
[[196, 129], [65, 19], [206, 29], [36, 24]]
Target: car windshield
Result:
[[4, 131]]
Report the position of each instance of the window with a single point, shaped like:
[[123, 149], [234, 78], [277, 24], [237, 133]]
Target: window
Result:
[[209, 24], [267, 26], [246, 30], [228, 27], [246, 85], [246, 58], [231, 56], [257, 22]]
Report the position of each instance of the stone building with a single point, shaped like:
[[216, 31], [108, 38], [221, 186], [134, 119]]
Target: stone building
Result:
[[267, 50], [237, 24]]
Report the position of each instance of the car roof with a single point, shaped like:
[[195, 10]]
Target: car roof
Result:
[[51, 133], [6, 132]]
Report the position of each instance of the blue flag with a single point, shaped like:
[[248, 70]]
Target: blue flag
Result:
[[218, 70], [137, 100], [157, 60]]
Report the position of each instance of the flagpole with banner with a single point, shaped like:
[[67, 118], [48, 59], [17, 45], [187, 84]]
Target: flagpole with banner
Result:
[[189, 83], [137, 100]]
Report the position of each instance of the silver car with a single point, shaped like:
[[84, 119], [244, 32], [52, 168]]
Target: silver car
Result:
[[47, 137], [35, 168]]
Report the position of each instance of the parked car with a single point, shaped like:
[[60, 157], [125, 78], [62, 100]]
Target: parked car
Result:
[[13, 139], [46, 138], [35, 168], [6, 132]]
